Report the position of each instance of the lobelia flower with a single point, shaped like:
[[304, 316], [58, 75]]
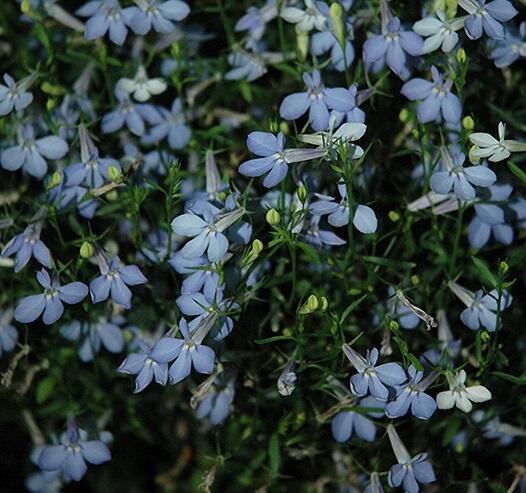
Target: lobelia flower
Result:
[[29, 154], [274, 158], [438, 100], [8, 334], [26, 245], [439, 31], [346, 422], [15, 94], [217, 404], [201, 275], [481, 308], [43, 481], [103, 332], [320, 237], [141, 87], [171, 125], [187, 352], [145, 367], [71, 455], [364, 218], [487, 146], [63, 196], [207, 231], [487, 17], [459, 395], [256, 19], [412, 395], [374, 485], [490, 219], [460, 179], [157, 14], [508, 50], [93, 170], [355, 115], [245, 65], [327, 41], [391, 48], [104, 16], [372, 378], [409, 472], [404, 315], [308, 19], [318, 100], [51, 301], [130, 114], [114, 280]]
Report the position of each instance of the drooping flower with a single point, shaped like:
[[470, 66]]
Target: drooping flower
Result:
[[114, 281], [460, 179], [391, 48], [8, 333], [487, 146], [51, 301], [141, 87], [187, 352], [29, 154], [71, 455], [459, 395], [157, 14], [409, 472], [372, 378], [15, 94], [364, 218], [104, 16], [412, 395], [318, 100], [508, 50], [487, 17], [217, 403], [317, 236], [438, 100], [439, 32]]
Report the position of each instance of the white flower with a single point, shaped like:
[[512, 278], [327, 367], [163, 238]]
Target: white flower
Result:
[[495, 150], [461, 396], [348, 132], [439, 32], [306, 20], [142, 87]]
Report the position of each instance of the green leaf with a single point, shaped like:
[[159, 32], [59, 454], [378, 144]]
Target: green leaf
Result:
[[385, 262], [310, 252], [355, 304], [269, 340], [45, 389], [273, 452], [510, 378], [518, 172], [485, 273], [414, 361]]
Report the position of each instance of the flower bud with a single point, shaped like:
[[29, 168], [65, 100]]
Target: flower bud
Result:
[[451, 8], [257, 247], [302, 194], [403, 116], [461, 56], [272, 217], [274, 126], [394, 216], [324, 304], [415, 280], [51, 103], [504, 268], [114, 173], [25, 7], [336, 13], [472, 158], [87, 250], [484, 336], [394, 325], [310, 306], [468, 123], [302, 41], [56, 179], [284, 127]]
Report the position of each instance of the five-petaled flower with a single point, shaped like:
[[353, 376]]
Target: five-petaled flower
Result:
[[459, 395]]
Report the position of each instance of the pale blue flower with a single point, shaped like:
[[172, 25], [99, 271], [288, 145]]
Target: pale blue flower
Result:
[[8, 333], [26, 245], [217, 403], [157, 14], [508, 50], [346, 422], [104, 16], [14, 94], [320, 237], [487, 17]]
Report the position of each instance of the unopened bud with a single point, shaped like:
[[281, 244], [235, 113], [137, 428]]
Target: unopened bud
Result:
[[87, 250], [394, 216], [472, 158], [461, 56], [504, 267], [415, 280], [302, 41], [484, 336], [274, 126], [114, 173], [51, 103], [55, 181], [336, 13], [324, 304], [468, 123], [403, 116], [25, 7], [302, 194], [310, 306], [394, 325], [272, 217], [284, 127]]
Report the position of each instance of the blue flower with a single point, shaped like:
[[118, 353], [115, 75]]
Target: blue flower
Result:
[[104, 15], [145, 367], [255, 21], [460, 179], [26, 245], [14, 94], [438, 100], [405, 317], [490, 219], [8, 334], [487, 16], [320, 237], [345, 422], [130, 114], [29, 154], [355, 115], [364, 218], [201, 275], [115, 279], [391, 48], [372, 378], [217, 403], [157, 13], [50, 302], [187, 352], [170, 124], [275, 159], [409, 472], [412, 395], [207, 230], [325, 41], [511, 48], [483, 310], [71, 455], [318, 100], [245, 65]]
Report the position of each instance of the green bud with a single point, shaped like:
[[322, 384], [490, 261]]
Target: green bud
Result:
[[302, 194], [257, 247], [284, 127], [55, 181], [504, 267], [484, 336], [25, 7], [415, 280], [336, 13], [394, 216], [403, 116], [272, 217], [112, 196], [355, 291], [394, 326], [274, 126], [51, 103], [451, 8], [52, 90], [87, 250], [473, 159], [415, 133], [461, 56], [310, 306], [302, 41], [468, 123], [114, 173], [324, 304]]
